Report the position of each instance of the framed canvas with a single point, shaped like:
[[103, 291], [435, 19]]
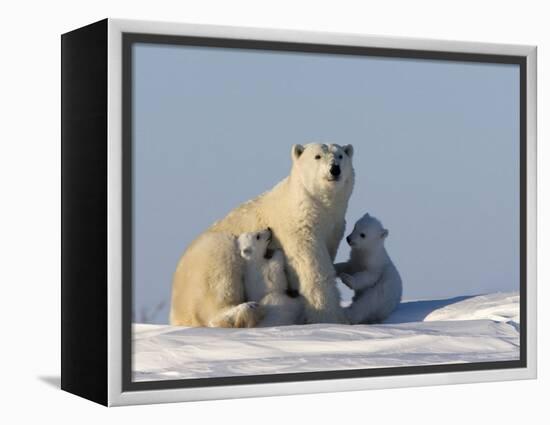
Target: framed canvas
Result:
[[251, 212]]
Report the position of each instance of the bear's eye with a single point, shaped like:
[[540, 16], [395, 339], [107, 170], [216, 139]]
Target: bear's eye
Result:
[[317, 156], [340, 157], [362, 235], [258, 237]]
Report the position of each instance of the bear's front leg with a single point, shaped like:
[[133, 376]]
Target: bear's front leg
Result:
[[361, 280], [347, 280], [317, 284]]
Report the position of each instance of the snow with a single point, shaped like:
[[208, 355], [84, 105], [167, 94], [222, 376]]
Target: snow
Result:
[[463, 329]]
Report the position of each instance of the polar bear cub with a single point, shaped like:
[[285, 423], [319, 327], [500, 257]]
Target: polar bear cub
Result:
[[370, 273], [265, 281]]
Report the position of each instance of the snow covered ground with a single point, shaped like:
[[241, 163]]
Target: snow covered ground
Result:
[[463, 329]]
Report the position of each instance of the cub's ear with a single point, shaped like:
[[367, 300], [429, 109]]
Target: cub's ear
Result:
[[297, 150], [348, 149], [384, 234], [247, 252]]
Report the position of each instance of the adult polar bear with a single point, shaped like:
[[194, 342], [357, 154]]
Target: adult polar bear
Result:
[[306, 212]]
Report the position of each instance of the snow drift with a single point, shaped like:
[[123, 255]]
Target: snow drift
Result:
[[463, 329]]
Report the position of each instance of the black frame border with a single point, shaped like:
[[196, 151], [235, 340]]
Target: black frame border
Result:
[[129, 39], [84, 186]]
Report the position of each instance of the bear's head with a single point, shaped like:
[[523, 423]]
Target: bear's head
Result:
[[368, 235], [323, 169], [253, 245]]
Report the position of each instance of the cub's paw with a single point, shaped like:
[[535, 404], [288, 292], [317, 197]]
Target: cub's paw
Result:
[[248, 315], [251, 304], [347, 280]]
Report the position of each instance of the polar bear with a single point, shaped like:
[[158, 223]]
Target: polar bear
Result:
[[306, 212], [265, 280], [370, 273]]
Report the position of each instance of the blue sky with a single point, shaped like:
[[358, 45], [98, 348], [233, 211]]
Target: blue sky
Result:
[[436, 156]]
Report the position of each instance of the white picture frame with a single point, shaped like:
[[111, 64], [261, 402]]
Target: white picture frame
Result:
[[110, 381]]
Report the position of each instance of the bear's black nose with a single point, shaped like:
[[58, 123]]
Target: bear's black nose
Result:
[[335, 170], [348, 239]]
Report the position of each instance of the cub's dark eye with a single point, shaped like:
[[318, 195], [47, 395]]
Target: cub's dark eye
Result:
[[317, 156], [258, 237], [340, 157], [362, 235]]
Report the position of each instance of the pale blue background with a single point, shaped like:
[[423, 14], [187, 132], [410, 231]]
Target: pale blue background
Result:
[[436, 156]]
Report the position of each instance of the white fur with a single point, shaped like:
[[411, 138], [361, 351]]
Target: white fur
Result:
[[306, 212], [370, 273], [212, 296], [265, 281]]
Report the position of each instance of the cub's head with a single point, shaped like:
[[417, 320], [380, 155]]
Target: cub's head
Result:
[[254, 245], [323, 169], [368, 234]]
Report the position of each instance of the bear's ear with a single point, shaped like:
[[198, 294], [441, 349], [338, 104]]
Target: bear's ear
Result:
[[297, 150], [246, 253], [384, 234], [348, 149]]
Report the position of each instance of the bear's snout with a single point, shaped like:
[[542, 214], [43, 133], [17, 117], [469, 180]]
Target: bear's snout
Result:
[[335, 170]]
